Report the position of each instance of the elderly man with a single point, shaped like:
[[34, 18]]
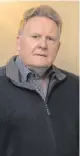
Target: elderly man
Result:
[[38, 101]]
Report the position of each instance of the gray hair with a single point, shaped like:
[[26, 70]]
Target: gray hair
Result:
[[42, 11]]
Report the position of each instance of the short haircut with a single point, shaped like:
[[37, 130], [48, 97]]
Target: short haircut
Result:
[[41, 11]]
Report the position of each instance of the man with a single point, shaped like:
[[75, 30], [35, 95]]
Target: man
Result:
[[38, 101]]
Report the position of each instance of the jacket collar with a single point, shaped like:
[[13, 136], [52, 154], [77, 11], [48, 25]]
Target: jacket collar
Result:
[[13, 72]]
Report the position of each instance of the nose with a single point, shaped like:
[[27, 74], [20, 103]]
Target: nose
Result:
[[43, 43]]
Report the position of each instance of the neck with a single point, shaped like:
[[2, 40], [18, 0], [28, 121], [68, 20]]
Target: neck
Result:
[[41, 71]]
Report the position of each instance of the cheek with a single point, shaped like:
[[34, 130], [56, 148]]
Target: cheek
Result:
[[53, 50], [52, 53], [24, 47], [32, 44]]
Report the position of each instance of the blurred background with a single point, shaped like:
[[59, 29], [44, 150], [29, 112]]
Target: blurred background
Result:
[[10, 16]]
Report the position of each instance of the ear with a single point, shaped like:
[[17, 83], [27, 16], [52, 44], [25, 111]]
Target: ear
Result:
[[18, 43]]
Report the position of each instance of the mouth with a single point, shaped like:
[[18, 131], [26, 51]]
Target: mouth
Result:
[[43, 55]]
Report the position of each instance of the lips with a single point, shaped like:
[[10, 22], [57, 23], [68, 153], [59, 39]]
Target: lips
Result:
[[44, 55]]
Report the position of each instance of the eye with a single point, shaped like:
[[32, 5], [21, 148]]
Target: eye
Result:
[[34, 36], [51, 39]]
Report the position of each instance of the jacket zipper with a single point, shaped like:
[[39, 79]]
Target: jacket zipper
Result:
[[46, 100], [47, 109]]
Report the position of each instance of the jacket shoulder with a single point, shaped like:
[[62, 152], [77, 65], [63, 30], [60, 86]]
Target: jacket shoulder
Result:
[[2, 70], [70, 76]]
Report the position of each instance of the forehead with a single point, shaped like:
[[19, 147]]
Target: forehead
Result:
[[41, 25]]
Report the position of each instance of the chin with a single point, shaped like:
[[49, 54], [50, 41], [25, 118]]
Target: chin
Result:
[[41, 65]]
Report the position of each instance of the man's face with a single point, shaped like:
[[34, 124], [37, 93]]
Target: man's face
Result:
[[38, 43]]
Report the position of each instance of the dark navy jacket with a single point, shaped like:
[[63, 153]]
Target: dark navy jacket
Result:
[[25, 127]]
